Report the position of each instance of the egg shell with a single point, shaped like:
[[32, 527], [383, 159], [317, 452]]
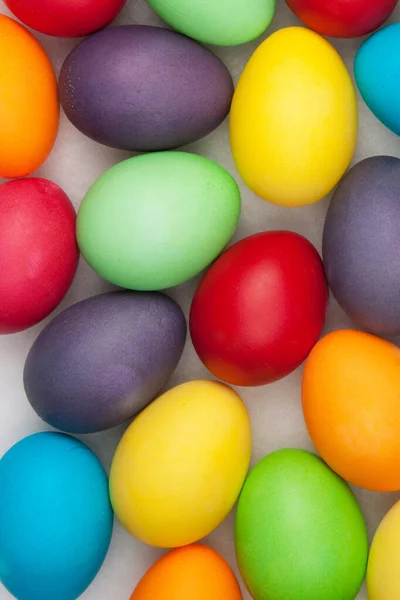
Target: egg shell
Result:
[[102, 360], [196, 572], [350, 391], [144, 88], [292, 148], [384, 560], [154, 221], [377, 72], [179, 468], [28, 103], [274, 279], [38, 251], [55, 517], [66, 19], [300, 534], [222, 23], [361, 244], [341, 18]]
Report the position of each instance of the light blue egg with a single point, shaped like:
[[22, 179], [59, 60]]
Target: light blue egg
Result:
[[377, 71], [55, 517]]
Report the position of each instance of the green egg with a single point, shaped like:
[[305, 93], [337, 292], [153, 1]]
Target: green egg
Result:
[[219, 22], [300, 534], [156, 220]]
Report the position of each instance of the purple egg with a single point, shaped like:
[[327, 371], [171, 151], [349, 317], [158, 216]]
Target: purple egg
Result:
[[361, 244], [103, 360], [144, 88]]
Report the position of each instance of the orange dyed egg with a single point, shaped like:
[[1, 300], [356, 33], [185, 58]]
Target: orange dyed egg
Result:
[[28, 101], [351, 404], [194, 572]]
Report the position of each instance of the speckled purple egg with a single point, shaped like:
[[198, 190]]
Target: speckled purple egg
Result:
[[361, 244], [144, 88], [103, 360]]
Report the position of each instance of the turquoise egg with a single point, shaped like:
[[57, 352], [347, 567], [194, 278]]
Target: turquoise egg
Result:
[[55, 517], [377, 72]]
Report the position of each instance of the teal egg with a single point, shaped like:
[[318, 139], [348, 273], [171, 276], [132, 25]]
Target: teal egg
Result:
[[156, 220], [300, 534], [55, 517], [377, 72]]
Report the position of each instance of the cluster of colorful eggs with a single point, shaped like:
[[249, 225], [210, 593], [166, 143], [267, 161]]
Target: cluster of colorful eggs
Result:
[[155, 221]]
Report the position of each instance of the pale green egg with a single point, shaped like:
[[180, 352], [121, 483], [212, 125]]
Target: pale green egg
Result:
[[156, 220], [218, 22]]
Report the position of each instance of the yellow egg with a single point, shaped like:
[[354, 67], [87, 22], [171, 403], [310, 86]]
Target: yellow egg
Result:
[[294, 119], [180, 466], [383, 578]]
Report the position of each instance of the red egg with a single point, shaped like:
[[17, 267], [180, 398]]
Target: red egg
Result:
[[343, 18], [38, 251], [66, 18], [260, 308]]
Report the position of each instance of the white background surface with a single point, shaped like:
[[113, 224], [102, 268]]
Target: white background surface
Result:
[[275, 410]]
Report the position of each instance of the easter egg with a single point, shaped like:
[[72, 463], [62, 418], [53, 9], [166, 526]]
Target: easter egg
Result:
[[102, 360], [28, 102], [222, 23], [361, 244], [377, 72], [293, 119], [351, 390], [196, 572], [66, 19], [384, 559], [144, 88], [55, 517], [179, 468], [260, 308], [300, 534], [154, 221], [38, 251], [341, 18]]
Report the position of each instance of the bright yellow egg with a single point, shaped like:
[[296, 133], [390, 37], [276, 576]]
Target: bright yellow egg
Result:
[[294, 119], [180, 466], [383, 578]]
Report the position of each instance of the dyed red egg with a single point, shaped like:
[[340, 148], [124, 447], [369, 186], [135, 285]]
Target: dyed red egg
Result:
[[66, 18], [38, 251], [260, 308], [343, 18]]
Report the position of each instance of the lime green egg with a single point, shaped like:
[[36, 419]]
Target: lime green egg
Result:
[[300, 534], [154, 221], [218, 22]]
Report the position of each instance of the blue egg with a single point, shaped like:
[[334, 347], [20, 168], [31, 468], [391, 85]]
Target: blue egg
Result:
[[55, 517], [377, 72]]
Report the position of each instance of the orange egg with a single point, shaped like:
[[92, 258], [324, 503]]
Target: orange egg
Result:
[[351, 404], [191, 573], [28, 101]]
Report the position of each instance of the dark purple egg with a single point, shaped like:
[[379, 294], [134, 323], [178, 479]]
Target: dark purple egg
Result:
[[361, 244], [103, 360], [144, 88]]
